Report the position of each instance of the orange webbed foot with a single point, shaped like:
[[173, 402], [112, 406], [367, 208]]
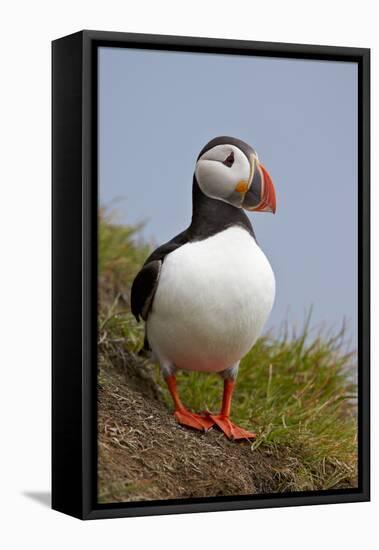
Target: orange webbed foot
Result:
[[231, 430], [193, 420]]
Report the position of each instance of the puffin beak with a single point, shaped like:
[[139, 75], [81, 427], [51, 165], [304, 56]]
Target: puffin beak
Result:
[[268, 195], [266, 201]]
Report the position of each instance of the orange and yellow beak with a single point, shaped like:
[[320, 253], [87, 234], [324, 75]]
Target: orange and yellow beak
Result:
[[268, 195], [260, 195]]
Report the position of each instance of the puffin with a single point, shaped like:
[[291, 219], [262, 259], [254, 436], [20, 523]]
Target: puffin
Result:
[[206, 294]]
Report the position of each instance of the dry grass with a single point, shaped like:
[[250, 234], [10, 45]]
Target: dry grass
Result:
[[145, 455]]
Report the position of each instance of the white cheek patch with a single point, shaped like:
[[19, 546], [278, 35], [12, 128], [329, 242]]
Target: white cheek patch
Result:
[[217, 180]]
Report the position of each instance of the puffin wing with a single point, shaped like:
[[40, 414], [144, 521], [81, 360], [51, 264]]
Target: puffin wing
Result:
[[143, 289], [146, 282]]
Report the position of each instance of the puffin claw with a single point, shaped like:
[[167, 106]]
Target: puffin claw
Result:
[[231, 430]]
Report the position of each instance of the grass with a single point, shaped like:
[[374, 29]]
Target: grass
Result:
[[296, 392]]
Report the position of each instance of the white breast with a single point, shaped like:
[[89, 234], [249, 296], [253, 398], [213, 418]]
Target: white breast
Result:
[[213, 299]]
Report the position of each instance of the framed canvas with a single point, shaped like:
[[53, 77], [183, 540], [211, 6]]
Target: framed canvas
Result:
[[208, 355]]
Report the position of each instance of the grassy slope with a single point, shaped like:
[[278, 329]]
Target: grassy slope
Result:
[[295, 393]]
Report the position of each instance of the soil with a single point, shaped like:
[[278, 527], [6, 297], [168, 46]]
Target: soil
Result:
[[144, 454]]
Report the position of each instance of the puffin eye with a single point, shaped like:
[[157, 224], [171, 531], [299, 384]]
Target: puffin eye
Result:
[[229, 160]]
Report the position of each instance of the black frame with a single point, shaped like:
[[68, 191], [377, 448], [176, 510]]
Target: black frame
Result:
[[74, 203]]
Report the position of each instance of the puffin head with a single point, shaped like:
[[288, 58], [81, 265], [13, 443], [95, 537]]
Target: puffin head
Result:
[[228, 169]]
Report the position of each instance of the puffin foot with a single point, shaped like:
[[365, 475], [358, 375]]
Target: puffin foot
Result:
[[232, 431], [193, 420]]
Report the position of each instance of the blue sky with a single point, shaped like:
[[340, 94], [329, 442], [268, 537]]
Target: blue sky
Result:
[[158, 109]]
